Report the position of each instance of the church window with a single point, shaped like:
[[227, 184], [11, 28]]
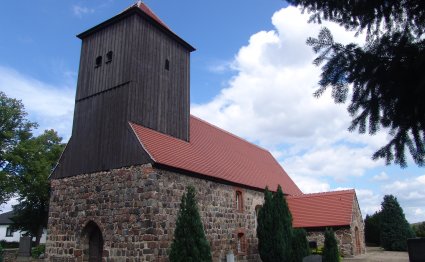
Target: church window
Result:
[[239, 200], [256, 212], [98, 61], [109, 57], [241, 243], [167, 64]]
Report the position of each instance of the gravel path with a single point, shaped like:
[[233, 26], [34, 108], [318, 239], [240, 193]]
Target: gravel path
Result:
[[377, 254]]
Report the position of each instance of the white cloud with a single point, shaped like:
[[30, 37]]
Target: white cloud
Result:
[[381, 177], [270, 101], [50, 106], [81, 10], [369, 201]]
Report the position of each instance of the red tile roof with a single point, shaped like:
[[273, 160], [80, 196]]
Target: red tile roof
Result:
[[322, 209], [218, 154], [150, 13]]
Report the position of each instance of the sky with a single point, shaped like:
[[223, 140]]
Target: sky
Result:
[[252, 75]]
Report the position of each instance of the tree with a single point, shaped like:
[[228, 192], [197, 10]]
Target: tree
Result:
[[265, 227], [386, 73], [419, 229], [395, 230], [300, 247], [30, 163], [372, 229], [14, 127], [274, 230], [189, 243], [330, 251]]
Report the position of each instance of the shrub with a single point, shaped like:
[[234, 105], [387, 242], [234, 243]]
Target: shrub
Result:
[[1, 253], [300, 247], [419, 229], [330, 250], [189, 243], [38, 250], [274, 230]]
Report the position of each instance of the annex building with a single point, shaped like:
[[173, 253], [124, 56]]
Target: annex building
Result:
[[135, 148]]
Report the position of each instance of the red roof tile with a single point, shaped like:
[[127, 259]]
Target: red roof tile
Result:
[[322, 209], [216, 153], [150, 13]]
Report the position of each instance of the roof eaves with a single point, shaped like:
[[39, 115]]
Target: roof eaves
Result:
[[141, 143], [134, 9]]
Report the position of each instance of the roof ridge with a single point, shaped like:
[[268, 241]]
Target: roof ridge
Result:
[[336, 192], [231, 134]]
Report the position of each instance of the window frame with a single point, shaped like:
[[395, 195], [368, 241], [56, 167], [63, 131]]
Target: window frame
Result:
[[238, 198], [9, 232]]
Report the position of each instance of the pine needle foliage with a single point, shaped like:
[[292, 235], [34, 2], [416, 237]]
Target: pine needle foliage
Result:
[[385, 74], [300, 247], [372, 228], [395, 230], [265, 228], [274, 230], [330, 250], [189, 243]]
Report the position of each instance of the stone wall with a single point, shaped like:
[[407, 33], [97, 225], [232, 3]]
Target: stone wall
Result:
[[345, 236], [136, 209]]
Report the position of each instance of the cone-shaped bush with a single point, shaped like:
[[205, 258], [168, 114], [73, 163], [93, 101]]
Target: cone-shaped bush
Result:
[[300, 248], [189, 243], [274, 230], [330, 251], [283, 227], [265, 227]]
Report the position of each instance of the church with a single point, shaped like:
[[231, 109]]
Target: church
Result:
[[135, 148]]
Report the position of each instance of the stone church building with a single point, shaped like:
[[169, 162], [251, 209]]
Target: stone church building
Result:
[[135, 148]]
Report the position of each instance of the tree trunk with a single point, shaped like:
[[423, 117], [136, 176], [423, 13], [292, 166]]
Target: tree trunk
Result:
[[38, 236]]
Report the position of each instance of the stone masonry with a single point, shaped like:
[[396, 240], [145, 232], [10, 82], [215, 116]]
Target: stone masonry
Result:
[[345, 236], [136, 209]]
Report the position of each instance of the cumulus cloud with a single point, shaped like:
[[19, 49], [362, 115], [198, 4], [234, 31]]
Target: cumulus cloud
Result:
[[380, 177], [50, 106], [79, 10], [270, 101]]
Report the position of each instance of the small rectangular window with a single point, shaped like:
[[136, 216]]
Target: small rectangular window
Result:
[[9, 232], [167, 64], [239, 201]]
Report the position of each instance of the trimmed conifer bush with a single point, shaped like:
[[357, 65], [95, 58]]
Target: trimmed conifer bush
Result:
[[395, 230], [189, 243], [330, 250], [274, 230], [265, 228], [300, 247]]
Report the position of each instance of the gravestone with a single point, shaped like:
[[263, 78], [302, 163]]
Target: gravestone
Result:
[[313, 258], [24, 247], [416, 248]]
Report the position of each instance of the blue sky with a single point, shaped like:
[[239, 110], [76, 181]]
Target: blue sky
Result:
[[251, 75]]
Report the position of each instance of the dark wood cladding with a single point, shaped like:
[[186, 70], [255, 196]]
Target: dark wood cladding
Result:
[[134, 86]]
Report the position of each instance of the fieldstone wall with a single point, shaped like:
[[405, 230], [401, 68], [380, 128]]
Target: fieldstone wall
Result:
[[345, 236], [342, 235], [136, 210]]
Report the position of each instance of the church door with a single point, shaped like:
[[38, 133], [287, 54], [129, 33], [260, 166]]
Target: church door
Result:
[[94, 242], [358, 246]]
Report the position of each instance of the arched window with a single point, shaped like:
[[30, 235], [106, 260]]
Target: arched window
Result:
[[98, 61], [109, 57], [256, 211], [241, 243], [93, 242], [239, 200]]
